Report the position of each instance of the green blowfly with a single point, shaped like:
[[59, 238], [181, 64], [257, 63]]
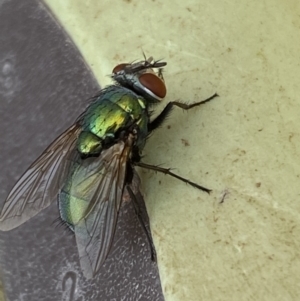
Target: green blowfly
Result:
[[91, 165]]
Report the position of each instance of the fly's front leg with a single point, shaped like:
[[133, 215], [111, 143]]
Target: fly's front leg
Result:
[[157, 122]]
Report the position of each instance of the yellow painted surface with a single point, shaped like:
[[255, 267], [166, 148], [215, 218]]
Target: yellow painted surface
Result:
[[245, 144]]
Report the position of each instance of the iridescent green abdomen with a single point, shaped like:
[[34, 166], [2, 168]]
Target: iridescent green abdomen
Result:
[[72, 205], [115, 108]]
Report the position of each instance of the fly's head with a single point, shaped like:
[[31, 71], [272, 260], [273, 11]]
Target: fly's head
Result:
[[142, 78]]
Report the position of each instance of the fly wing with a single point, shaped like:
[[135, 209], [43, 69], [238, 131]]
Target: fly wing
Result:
[[100, 185], [39, 185]]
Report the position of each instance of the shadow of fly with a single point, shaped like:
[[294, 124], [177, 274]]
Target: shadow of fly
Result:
[[91, 165]]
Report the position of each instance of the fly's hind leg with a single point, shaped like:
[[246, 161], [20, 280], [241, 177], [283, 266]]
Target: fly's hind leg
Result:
[[158, 121], [139, 213]]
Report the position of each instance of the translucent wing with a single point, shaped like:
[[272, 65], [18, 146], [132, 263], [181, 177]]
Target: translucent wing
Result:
[[96, 189], [40, 184]]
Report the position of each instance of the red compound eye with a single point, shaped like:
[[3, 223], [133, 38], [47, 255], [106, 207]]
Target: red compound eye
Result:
[[119, 68], [154, 84]]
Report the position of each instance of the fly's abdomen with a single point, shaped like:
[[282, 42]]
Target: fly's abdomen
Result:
[[114, 109], [75, 195]]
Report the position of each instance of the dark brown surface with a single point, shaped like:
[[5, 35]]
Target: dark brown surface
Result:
[[44, 85]]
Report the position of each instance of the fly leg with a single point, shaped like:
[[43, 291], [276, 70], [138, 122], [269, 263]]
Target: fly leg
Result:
[[139, 214], [167, 171], [157, 122]]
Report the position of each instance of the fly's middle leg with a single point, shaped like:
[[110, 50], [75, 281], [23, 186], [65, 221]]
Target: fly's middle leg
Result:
[[167, 171]]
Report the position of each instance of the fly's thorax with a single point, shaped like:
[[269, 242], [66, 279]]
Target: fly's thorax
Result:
[[114, 110]]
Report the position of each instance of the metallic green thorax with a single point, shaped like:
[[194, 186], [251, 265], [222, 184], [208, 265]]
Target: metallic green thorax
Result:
[[115, 108]]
